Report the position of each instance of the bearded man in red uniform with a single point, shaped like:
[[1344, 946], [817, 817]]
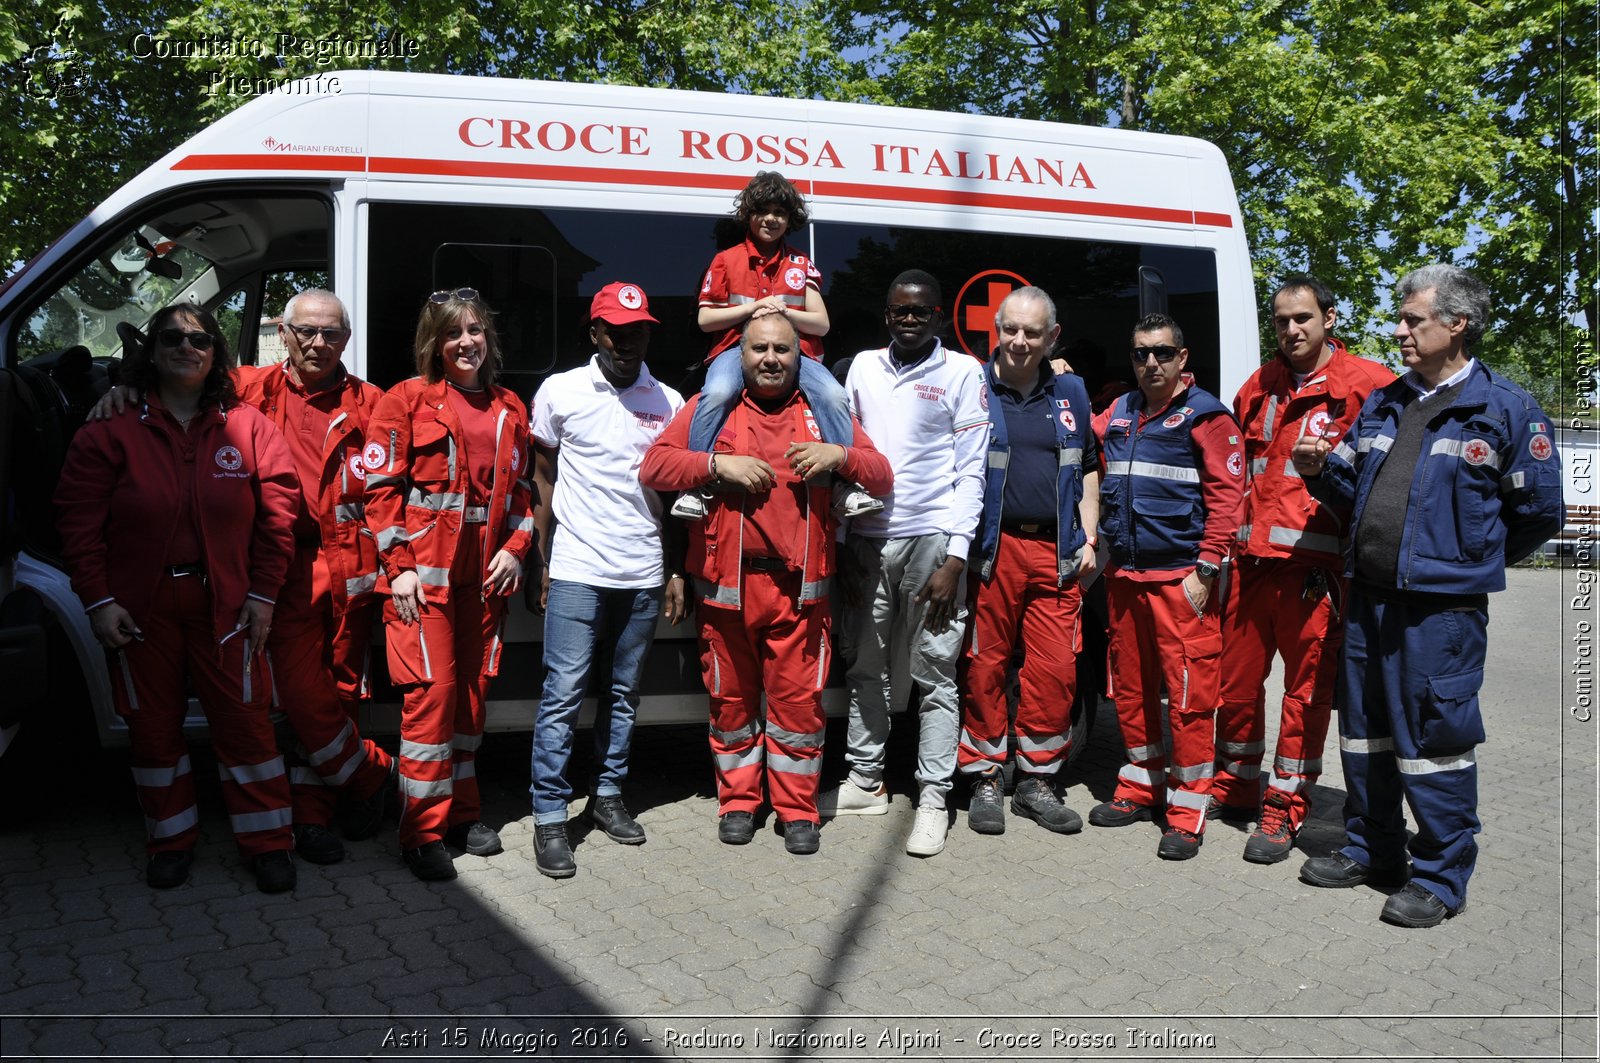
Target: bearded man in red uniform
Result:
[[762, 561]]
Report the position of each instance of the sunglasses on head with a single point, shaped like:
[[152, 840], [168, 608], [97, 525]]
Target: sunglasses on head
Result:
[[1164, 354], [307, 333], [466, 295], [174, 337], [913, 311]]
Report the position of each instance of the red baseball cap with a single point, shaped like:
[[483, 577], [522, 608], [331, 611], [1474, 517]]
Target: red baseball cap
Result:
[[620, 304]]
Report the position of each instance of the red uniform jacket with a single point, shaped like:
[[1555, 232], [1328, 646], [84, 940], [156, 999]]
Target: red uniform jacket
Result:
[[716, 543], [740, 275], [334, 490], [120, 487], [417, 483], [1281, 519]]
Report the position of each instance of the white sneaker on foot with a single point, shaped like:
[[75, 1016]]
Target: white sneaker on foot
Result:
[[848, 799], [691, 505], [852, 500], [928, 831]]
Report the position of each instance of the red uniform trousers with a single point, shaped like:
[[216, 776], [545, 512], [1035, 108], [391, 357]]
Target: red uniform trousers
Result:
[[1021, 598], [329, 753], [148, 681], [1156, 635], [772, 646], [441, 665], [1268, 612]]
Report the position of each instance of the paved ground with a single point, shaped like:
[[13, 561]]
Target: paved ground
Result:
[[1020, 946]]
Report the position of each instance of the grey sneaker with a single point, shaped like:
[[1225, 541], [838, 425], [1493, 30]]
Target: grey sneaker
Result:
[[986, 813], [691, 506], [1036, 799]]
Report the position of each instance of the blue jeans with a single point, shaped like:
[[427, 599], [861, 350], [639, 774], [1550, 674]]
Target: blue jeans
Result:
[[580, 624], [725, 383]]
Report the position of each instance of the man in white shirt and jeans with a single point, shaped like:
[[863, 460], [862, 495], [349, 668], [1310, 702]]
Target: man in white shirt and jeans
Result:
[[903, 570], [605, 580]]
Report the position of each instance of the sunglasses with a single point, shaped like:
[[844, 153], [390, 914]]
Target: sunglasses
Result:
[[174, 337], [307, 333], [1163, 354], [912, 311], [466, 295]]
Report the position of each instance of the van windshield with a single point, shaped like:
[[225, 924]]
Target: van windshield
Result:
[[133, 279]]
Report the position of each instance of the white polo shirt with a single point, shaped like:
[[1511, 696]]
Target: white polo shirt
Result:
[[932, 422], [608, 527]]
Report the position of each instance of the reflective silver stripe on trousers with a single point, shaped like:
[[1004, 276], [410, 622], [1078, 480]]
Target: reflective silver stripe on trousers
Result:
[[127, 683], [1365, 745], [1151, 469], [188, 819], [422, 645], [300, 775], [1240, 770], [1191, 799], [271, 819], [1455, 448], [332, 749], [735, 761], [360, 584], [1241, 749], [348, 511], [1289, 766], [1291, 785], [733, 738], [1138, 753], [1141, 775], [1191, 772], [161, 776], [988, 749], [1040, 745], [794, 765], [464, 769], [814, 592], [1434, 765], [422, 789], [1327, 544], [711, 592], [244, 774], [424, 751], [794, 738], [467, 743]]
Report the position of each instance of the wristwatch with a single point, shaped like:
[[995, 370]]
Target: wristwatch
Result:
[[1206, 570]]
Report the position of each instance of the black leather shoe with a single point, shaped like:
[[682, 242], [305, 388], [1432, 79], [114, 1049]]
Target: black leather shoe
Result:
[[317, 844], [430, 862], [1177, 844], [475, 839], [736, 828], [801, 837], [1416, 907], [1339, 872], [1120, 812], [168, 869], [362, 818], [274, 871], [611, 815], [552, 853]]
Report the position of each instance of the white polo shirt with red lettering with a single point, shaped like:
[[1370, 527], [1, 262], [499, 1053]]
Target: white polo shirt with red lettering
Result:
[[932, 422], [608, 527]]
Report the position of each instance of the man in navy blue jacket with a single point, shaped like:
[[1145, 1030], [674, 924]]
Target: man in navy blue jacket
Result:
[[1449, 475]]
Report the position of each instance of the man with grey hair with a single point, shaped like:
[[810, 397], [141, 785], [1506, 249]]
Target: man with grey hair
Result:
[[1448, 475], [1035, 542]]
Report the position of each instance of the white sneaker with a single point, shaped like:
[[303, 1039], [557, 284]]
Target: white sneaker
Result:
[[852, 500], [851, 800], [928, 831], [691, 505]]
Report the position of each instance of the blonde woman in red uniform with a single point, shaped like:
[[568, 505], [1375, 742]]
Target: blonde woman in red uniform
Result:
[[450, 504], [176, 526]]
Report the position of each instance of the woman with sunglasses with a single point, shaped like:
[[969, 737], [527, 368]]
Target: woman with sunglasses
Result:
[[450, 504], [176, 526]]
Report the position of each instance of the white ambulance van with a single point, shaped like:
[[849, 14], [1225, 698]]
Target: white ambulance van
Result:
[[386, 187]]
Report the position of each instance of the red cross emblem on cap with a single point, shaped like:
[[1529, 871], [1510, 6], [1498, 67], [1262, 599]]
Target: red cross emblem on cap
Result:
[[1476, 452], [630, 297]]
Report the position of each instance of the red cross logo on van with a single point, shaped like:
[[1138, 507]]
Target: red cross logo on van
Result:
[[975, 307]]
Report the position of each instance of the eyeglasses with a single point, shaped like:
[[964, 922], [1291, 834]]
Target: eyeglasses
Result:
[[466, 295], [307, 333], [913, 311], [174, 337], [1164, 354]]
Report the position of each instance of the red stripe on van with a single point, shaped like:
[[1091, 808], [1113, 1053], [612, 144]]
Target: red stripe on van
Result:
[[665, 178], [273, 161]]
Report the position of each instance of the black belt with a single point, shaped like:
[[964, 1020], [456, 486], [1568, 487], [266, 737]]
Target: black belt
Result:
[[1018, 527], [767, 564], [189, 568]]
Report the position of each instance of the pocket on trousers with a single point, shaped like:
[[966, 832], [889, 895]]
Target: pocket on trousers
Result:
[[1450, 718], [407, 652]]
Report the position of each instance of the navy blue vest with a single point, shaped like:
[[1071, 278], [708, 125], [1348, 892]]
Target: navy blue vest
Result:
[[1151, 509], [1071, 401]]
